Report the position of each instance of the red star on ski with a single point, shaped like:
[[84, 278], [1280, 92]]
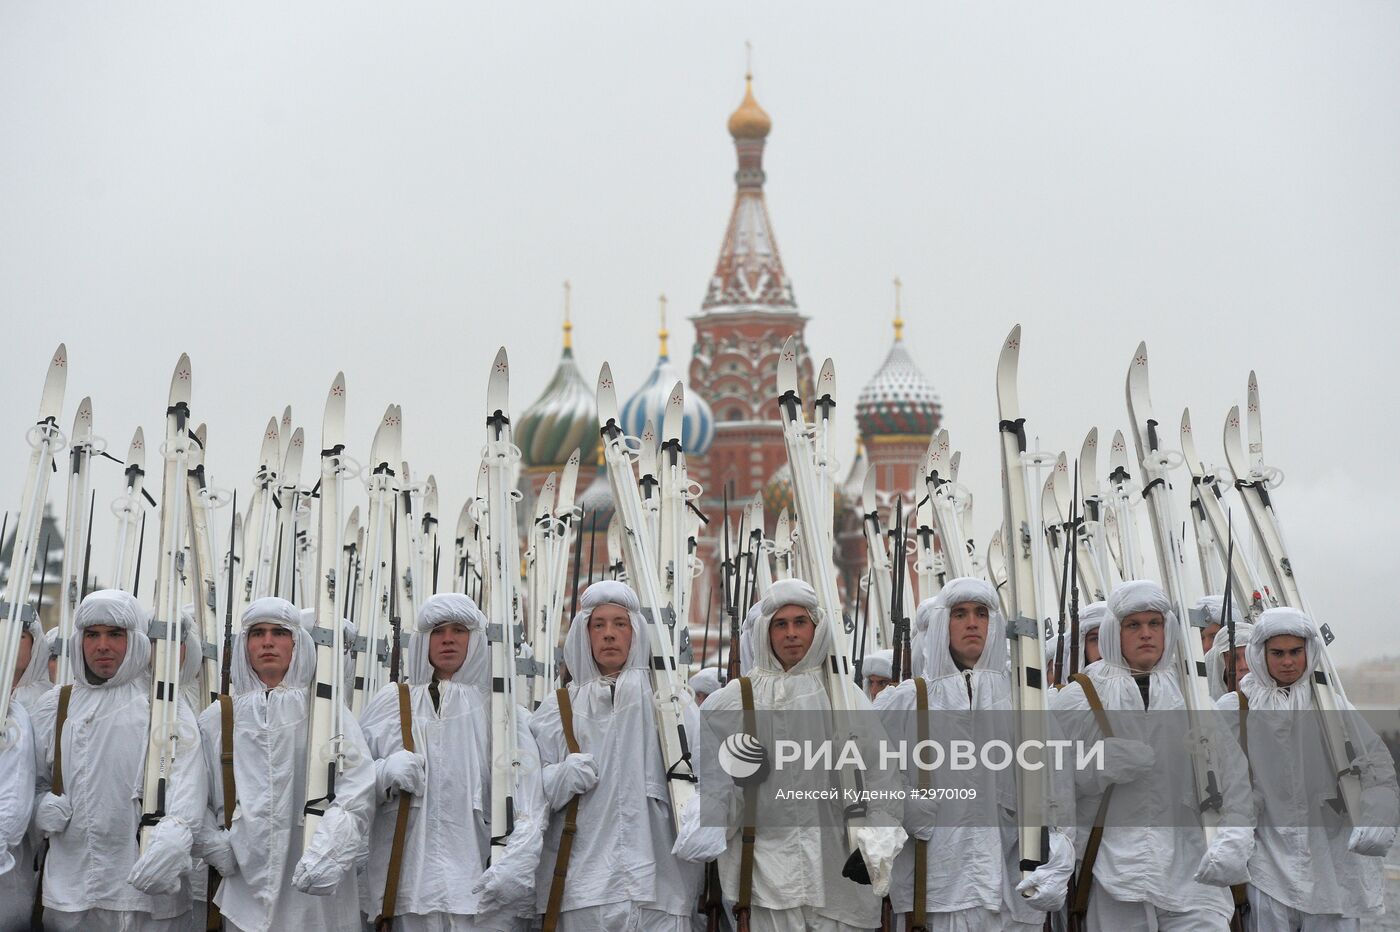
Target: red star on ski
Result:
[[606, 383], [60, 361], [1140, 359], [1253, 408], [337, 391], [270, 435]]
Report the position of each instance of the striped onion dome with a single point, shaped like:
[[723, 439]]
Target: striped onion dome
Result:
[[898, 400], [564, 417], [649, 403]]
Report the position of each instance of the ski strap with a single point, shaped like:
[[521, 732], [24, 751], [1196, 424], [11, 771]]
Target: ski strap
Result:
[[1080, 907], [918, 919], [64, 694], [391, 881], [750, 831], [566, 837]]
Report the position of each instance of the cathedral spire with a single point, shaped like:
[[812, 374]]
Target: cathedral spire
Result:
[[568, 323], [749, 273]]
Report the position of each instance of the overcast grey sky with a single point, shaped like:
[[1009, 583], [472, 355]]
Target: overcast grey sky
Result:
[[284, 190]]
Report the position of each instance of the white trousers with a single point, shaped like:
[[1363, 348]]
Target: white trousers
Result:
[[1109, 915], [111, 920], [801, 919], [621, 917], [1269, 915], [976, 919], [450, 922]]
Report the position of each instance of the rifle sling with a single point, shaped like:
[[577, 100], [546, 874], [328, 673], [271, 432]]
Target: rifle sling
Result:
[[391, 881], [1080, 906], [918, 919], [750, 830], [566, 837]]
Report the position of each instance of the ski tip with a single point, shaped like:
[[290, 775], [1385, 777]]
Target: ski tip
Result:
[[867, 492], [287, 416], [648, 435], [271, 437], [607, 397], [676, 401], [1253, 385], [338, 386], [1012, 343], [180, 381], [1091, 441], [787, 367], [82, 421], [498, 387], [573, 461], [826, 379], [1232, 421], [201, 432]]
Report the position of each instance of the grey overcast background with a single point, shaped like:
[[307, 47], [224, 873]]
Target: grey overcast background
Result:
[[395, 190]]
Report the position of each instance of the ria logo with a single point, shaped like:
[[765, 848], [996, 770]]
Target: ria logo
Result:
[[744, 758]]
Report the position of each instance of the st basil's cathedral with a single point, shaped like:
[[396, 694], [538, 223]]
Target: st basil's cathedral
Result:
[[732, 436]]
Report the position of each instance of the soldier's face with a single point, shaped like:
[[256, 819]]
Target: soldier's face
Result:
[[270, 652], [447, 648], [104, 648], [610, 637]]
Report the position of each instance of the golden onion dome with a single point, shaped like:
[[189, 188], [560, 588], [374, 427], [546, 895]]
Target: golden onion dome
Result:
[[750, 121]]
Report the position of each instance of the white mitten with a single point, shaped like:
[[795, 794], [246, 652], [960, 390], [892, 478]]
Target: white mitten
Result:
[[166, 861]]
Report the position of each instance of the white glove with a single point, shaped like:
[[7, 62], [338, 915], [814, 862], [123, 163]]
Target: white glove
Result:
[[1226, 861], [1378, 811], [401, 772], [1371, 841], [53, 813], [575, 774], [1044, 890], [166, 861], [878, 846], [695, 842], [218, 851], [920, 815], [329, 856], [498, 890], [1125, 760]]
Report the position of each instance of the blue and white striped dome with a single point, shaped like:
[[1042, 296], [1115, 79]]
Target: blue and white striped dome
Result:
[[649, 404]]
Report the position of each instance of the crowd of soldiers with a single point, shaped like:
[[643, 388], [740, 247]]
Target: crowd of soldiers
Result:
[[595, 844]]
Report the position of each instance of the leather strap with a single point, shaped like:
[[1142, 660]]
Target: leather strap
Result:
[[1240, 892], [64, 694], [750, 831], [56, 788], [1085, 882], [566, 837], [918, 919], [391, 881], [214, 921]]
